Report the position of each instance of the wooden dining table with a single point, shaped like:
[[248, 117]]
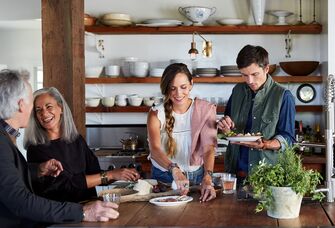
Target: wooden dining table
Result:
[[225, 210]]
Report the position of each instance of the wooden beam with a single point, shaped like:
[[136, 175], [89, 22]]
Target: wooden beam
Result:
[[63, 53]]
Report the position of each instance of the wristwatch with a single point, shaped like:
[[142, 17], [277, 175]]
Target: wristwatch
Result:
[[104, 177], [210, 173], [172, 166]]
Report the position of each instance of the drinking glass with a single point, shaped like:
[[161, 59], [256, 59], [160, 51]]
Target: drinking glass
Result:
[[112, 197], [228, 183]]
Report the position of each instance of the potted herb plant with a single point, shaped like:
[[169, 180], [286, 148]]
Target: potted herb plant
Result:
[[280, 187]]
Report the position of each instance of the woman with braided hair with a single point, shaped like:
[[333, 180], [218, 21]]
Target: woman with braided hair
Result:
[[182, 134]]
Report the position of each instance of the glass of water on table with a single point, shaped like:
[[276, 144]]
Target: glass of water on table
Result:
[[112, 197], [228, 183]]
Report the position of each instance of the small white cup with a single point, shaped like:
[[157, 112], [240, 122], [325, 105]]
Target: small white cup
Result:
[[112, 70], [121, 97], [108, 101], [121, 103]]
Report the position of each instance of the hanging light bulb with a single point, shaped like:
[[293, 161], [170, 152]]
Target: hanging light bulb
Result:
[[206, 47], [193, 51]]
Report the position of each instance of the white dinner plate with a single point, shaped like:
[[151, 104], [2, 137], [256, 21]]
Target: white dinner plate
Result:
[[158, 201], [166, 21], [243, 138], [230, 21], [160, 25]]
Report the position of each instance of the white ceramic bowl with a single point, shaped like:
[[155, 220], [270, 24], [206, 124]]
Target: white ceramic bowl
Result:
[[116, 16], [108, 101], [121, 97], [139, 68], [112, 70], [132, 95], [114, 22], [148, 101], [126, 65], [197, 14], [121, 103], [93, 72], [135, 101], [92, 102]]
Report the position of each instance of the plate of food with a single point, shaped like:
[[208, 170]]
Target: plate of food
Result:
[[168, 201], [248, 137], [243, 138]]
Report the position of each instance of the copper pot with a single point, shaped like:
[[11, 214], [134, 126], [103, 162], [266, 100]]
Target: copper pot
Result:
[[129, 143], [89, 21]]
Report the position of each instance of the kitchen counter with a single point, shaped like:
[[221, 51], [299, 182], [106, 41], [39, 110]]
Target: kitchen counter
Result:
[[225, 210], [316, 162]]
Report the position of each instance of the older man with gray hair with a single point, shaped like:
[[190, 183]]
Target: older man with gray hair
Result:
[[19, 206]]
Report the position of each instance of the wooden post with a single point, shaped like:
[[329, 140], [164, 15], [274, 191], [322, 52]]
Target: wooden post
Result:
[[63, 53]]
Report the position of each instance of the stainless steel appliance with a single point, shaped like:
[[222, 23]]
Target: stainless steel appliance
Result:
[[105, 141], [110, 158]]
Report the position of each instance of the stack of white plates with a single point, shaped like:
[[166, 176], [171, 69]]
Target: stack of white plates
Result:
[[230, 70], [116, 19], [156, 72], [160, 23], [206, 72]]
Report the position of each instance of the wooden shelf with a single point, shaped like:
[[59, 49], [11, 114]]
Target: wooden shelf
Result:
[[309, 108], [102, 108], [217, 29], [225, 79], [220, 109]]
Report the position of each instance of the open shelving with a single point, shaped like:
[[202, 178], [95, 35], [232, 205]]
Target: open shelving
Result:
[[220, 109], [225, 79], [213, 29]]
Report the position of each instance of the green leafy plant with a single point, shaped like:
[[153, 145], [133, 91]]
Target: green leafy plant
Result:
[[288, 172]]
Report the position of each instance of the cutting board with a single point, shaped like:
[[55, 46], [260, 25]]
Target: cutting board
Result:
[[147, 197]]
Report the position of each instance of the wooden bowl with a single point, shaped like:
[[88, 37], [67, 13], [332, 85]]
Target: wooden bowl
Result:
[[299, 68], [272, 68], [89, 21]]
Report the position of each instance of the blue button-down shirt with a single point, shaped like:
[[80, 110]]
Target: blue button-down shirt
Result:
[[283, 129]]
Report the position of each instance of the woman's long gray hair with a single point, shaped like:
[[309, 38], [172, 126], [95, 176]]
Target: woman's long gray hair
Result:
[[35, 134]]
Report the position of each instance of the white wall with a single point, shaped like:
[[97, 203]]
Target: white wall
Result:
[[21, 49]]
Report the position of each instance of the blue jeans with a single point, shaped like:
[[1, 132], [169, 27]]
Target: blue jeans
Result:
[[166, 177]]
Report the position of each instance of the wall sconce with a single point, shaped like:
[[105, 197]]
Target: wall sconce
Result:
[[206, 47]]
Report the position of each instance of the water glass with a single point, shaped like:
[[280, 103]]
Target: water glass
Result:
[[191, 178], [228, 183], [112, 197]]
